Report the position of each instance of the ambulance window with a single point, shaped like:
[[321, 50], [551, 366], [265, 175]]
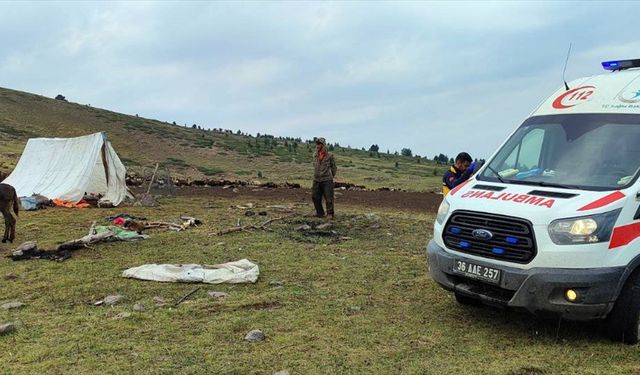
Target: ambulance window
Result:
[[526, 154]]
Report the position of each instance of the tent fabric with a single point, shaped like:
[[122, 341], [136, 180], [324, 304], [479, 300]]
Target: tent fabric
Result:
[[66, 168], [241, 271]]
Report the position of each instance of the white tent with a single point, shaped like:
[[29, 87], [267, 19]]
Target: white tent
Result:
[[67, 168]]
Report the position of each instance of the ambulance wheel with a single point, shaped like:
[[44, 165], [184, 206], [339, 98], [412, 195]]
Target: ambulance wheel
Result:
[[467, 301], [623, 322]]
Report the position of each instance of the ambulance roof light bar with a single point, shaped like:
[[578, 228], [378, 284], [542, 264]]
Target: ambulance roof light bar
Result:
[[621, 64]]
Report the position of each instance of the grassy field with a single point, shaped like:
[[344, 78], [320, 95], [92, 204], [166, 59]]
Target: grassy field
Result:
[[327, 305], [194, 153]]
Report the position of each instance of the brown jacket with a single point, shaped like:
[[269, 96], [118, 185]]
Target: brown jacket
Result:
[[324, 170]]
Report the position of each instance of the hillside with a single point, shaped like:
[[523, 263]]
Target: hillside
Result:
[[197, 153]]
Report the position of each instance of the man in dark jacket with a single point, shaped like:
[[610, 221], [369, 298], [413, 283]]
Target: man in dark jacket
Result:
[[325, 169], [458, 173]]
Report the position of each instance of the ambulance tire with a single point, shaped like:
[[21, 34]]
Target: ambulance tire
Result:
[[623, 322], [467, 301]]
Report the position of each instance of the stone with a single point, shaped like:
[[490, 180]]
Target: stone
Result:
[[113, 299], [324, 226], [276, 283], [303, 228], [255, 336], [282, 372], [218, 294], [7, 328], [138, 307], [12, 305], [159, 301], [122, 315]]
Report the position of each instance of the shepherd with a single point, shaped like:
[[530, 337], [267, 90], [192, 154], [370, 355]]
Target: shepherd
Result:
[[9, 200], [323, 178]]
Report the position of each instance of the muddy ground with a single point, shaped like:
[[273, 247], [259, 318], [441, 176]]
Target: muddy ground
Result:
[[407, 201]]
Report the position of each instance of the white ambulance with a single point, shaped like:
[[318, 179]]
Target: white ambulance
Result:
[[551, 223]]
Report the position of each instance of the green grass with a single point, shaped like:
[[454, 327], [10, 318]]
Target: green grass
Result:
[[359, 306]]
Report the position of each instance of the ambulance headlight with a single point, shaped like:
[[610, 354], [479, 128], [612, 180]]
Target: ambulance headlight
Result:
[[585, 229], [443, 210]]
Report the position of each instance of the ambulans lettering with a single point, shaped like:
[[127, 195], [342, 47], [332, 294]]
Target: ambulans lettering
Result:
[[516, 198]]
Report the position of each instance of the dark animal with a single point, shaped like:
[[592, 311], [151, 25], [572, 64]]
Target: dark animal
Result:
[[9, 200]]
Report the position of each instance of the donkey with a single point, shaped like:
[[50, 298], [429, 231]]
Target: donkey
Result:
[[9, 200]]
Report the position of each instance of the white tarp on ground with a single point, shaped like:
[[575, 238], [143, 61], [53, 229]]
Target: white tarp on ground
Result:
[[67, 168], [241, 271]]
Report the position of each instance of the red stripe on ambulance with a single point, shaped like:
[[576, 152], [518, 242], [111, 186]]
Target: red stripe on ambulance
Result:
[[607, 199], [624, 235], [455, 189]]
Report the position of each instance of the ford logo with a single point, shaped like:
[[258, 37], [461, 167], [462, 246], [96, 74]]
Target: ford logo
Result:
[[482, 234]]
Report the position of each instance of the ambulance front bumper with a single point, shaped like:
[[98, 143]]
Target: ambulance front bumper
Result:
[[540, 291]]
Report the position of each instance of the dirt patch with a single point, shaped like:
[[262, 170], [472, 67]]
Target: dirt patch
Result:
[[407, 201]]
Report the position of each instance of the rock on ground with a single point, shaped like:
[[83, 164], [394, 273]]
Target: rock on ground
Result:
[[138, 307], [122, 315], [218, 294], [160, 301], [12, 305], [112, 300], [255, 336], [7, 328], [283, 372]]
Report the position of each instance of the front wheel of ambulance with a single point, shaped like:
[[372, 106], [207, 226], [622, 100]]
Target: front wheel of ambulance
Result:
[[623, 322], [467, 301]]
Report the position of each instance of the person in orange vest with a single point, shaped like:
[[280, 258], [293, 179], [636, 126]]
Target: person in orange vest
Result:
[[458, 173]]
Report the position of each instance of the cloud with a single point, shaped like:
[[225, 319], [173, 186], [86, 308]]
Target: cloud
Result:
[[434, 77]]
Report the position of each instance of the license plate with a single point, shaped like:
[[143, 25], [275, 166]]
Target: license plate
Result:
[[476, 271]]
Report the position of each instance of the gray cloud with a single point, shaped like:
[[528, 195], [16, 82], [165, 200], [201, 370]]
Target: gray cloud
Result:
[[435, 77]]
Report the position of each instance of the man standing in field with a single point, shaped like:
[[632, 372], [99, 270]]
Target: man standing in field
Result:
[[458, 173], [323, 177]]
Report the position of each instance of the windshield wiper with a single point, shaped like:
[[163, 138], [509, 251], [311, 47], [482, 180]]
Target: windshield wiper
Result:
[[496, 173]]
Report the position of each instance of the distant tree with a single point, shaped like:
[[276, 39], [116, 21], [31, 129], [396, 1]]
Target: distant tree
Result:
[[295, 147], [363, 149], [194, 126], [451, 161], [397, 164], [174, 123], [388, 152], [61, 97], [374, 148], [239, 132], [330, 147], [257, 135], [406, 152], [290, 148]]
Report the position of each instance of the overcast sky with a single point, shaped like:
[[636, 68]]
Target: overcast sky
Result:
[[431, 76]]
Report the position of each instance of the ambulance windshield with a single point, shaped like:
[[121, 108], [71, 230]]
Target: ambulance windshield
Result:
[[577, 151]]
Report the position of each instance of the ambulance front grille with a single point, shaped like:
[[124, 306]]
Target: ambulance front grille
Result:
[[500, 237]]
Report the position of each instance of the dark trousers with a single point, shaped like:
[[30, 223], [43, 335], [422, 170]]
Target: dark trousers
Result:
[[319, 190]]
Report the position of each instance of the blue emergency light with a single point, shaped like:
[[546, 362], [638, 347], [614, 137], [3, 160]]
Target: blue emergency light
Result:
[[497, 250], [621, 64]]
